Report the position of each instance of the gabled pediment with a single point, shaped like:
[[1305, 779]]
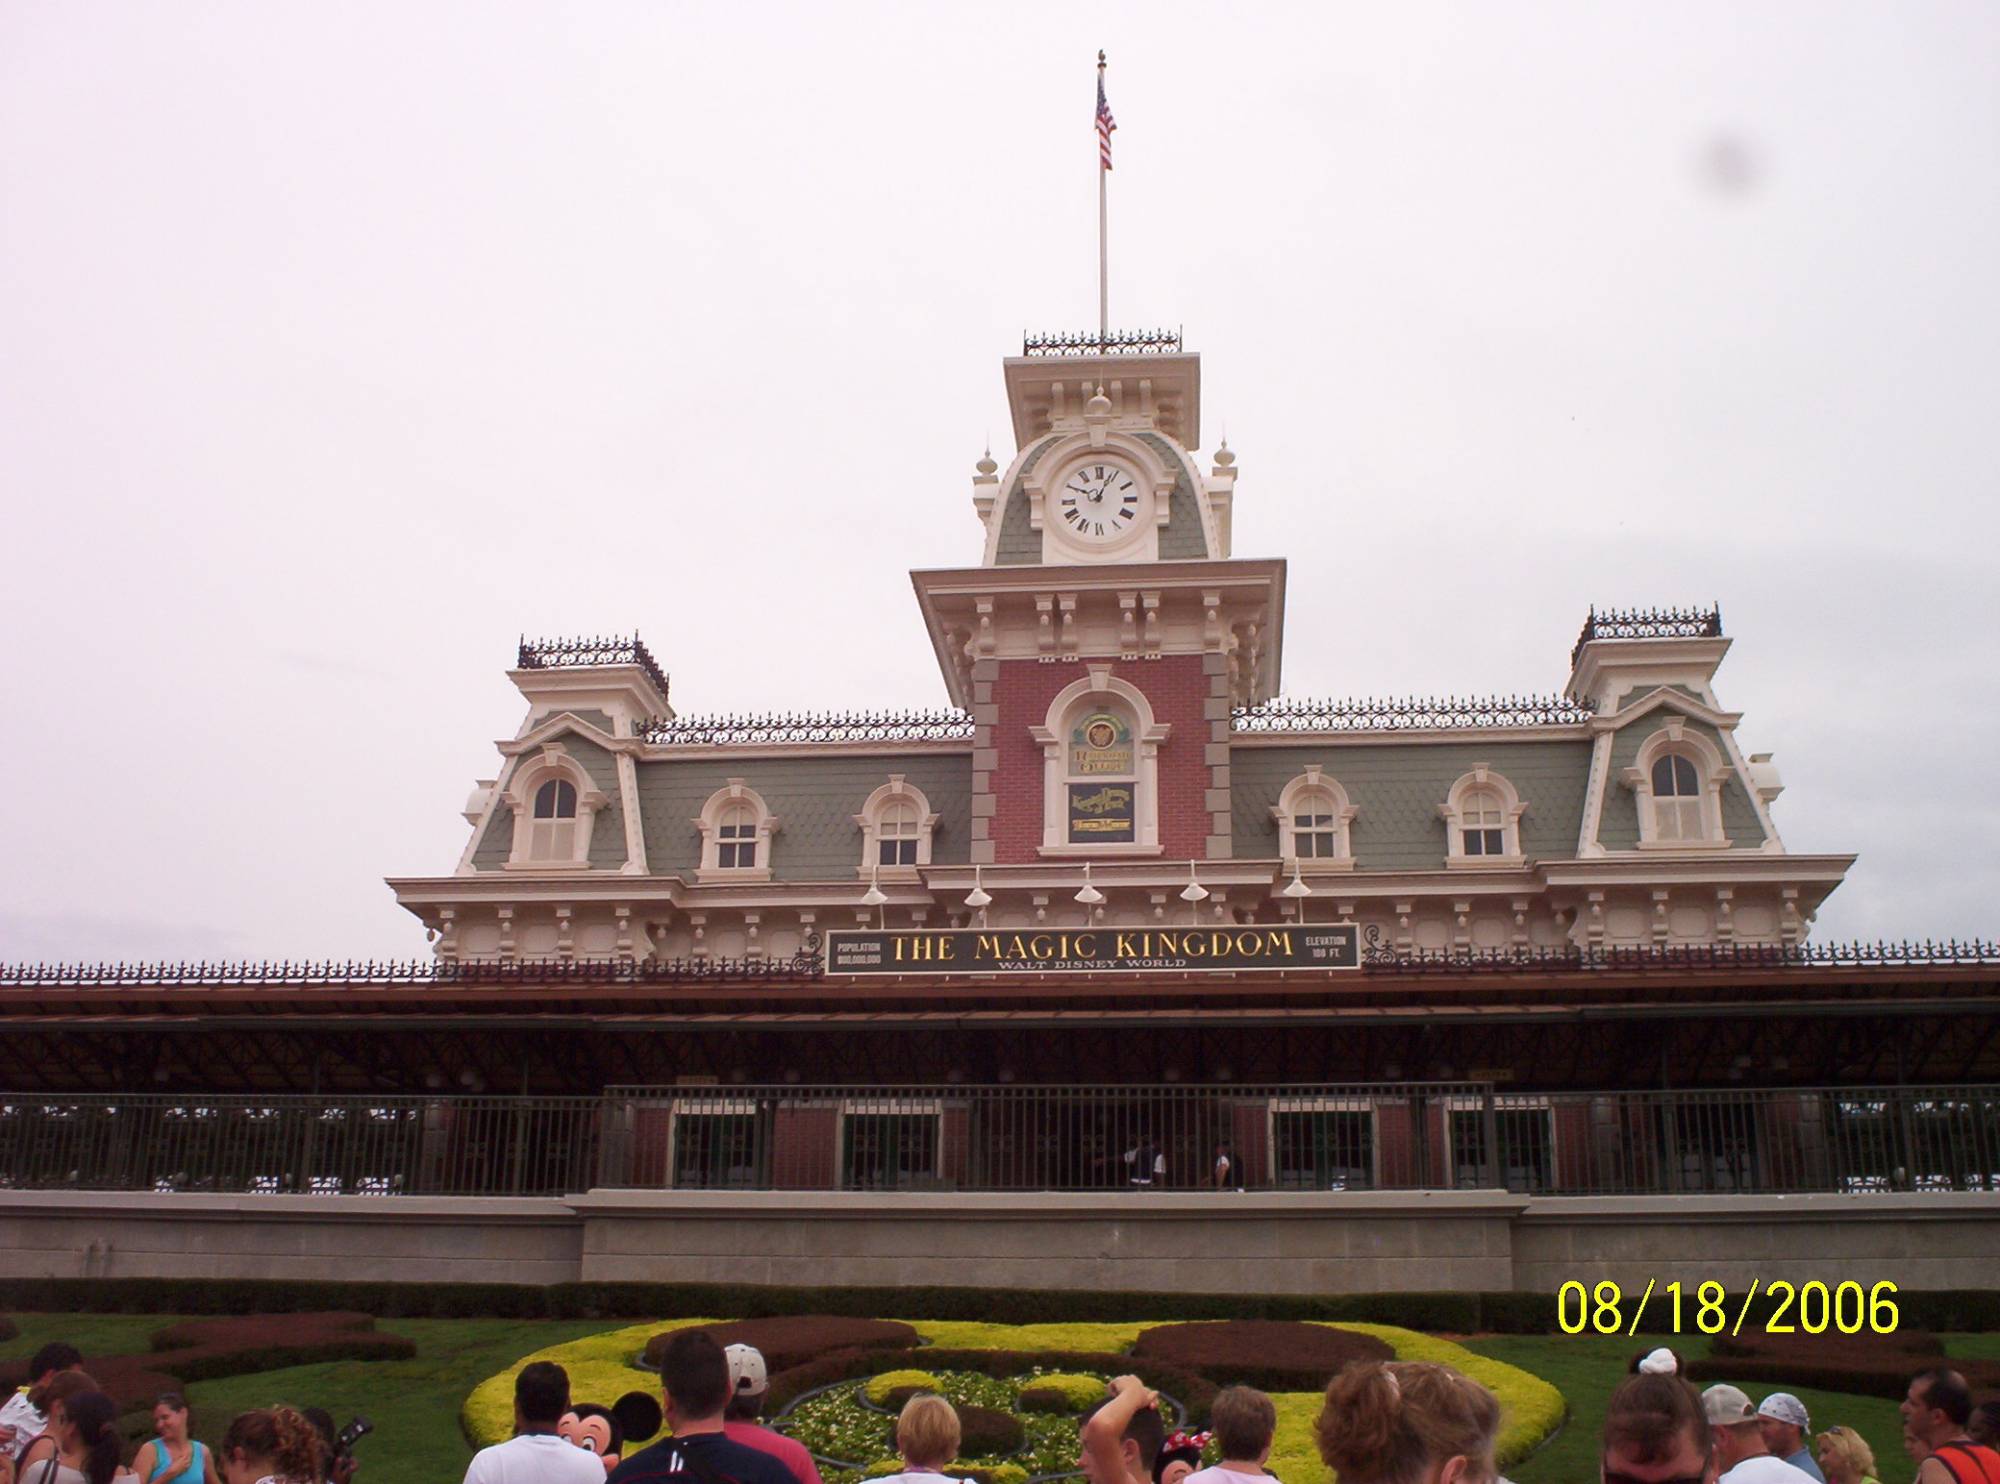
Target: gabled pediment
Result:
[[563, 724], [1666, 698]]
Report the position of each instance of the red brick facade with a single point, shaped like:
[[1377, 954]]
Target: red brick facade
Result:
[[1176, 687]]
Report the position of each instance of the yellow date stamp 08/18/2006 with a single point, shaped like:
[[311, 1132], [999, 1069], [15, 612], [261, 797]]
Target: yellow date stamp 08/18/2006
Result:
[[1812, 1307]]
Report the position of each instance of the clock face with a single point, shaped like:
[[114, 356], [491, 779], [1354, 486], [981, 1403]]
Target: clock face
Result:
[[1098, 501]]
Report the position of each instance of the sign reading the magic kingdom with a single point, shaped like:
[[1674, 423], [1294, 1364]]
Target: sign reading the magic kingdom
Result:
[[1093, 950]]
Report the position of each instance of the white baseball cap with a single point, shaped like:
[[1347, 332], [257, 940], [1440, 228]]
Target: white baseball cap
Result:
[[746, 1370], [1725, 1406]]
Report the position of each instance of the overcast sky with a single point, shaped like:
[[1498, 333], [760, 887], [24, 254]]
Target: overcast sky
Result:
[[340, 344]]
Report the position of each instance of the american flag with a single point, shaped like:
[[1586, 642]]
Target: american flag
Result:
[[1105, 123]]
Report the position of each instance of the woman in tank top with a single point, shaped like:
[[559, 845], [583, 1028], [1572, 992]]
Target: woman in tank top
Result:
[[174, 1457], [81, 1445]]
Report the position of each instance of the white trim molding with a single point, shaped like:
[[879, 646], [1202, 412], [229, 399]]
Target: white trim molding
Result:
[[897, 790], [734, 793], [552, 764], [1512, 807], [1314, 786]]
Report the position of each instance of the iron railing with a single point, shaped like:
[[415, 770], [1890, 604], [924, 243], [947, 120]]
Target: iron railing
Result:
[[300, 1145], [563, 654], [1379, 956], [1433, 713], [1649, 623], [1387, 1137], [943, 724], [1106, 343]]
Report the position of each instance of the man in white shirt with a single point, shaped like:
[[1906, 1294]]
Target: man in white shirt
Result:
[[536, 1454], [21, 1421], [1741, 1455]]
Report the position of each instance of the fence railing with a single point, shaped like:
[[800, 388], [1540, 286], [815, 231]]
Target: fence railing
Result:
[[1394, 1136]]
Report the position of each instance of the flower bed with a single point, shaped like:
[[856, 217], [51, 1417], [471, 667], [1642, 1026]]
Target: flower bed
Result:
[[847, 1431], [602, 1367]]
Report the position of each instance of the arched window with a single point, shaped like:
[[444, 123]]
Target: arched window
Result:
[[736, 838], [1677, 778], [896, 825], [736, 830], [554, 805], [552, 836], [1676, 798], [1313, 814], [1482, 821]]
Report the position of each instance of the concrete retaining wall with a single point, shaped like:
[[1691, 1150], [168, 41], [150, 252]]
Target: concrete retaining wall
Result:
[[1183, 1242]]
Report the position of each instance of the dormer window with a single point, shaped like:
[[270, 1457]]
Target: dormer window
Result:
[[555, 804], [1676, 798], [1677, 781], [896, 826], [736, 829], [552, 836], [736, 838], [1482, 821], [1313, 815]]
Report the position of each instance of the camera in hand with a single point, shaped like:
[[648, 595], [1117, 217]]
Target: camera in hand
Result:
[[355, 1430]]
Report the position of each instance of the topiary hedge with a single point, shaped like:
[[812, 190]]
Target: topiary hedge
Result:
[[986, 1433], [1270, 1354], [1867, 1365], [207, 1349], [1976, 1309], [892, 1388], [796, 1339], [1060, 1391]]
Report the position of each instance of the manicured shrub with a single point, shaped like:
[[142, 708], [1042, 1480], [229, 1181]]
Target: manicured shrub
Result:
[[206, 1349], [986, 1433], [1867, 1364], [1271, 1354], [796, 1339], [1060, 1392], [883, 1390]]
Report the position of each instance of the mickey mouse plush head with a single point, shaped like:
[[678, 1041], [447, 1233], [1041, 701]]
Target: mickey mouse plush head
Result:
[[607, 1431]]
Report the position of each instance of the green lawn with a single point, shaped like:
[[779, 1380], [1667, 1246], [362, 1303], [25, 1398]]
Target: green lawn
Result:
[[415, 1403]]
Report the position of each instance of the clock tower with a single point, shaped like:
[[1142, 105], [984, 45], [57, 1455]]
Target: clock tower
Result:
[[1107, 633]]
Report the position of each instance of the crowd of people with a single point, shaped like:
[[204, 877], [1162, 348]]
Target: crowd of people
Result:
[[61, 1428], [1381, 1422]]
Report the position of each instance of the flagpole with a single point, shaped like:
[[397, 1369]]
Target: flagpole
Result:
[[1103, 229]]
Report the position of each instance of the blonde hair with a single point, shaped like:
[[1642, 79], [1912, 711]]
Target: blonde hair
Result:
[[1394, 1422], [1849, 1450], [927, 1433]]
